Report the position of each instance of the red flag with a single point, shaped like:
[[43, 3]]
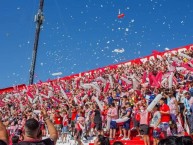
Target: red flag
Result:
[[107, 87], [30, 95], [121, 16], [156, 52]]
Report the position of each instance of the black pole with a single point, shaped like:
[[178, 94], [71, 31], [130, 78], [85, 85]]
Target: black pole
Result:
[[39, 20]]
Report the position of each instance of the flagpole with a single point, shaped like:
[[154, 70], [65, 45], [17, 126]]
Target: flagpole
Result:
[[39, 21]]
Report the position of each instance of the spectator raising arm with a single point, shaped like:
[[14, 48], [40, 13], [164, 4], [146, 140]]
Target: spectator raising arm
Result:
[[51, 129]]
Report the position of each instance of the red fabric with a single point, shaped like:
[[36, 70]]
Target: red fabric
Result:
[[165, 117], [159, 77], [74, 113], [104, 113], [78, 127], [144, 77], [107, 87], [92, 125], [30, 95], [57, 120], [65, 123], [156, 52], [137, 117]]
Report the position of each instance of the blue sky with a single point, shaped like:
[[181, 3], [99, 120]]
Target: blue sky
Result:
[[79, 35]]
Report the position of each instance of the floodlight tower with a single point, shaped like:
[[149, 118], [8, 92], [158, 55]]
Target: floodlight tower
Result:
[[39, 21]]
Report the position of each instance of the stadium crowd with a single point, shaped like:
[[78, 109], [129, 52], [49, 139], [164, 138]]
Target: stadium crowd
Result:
[[114, 101]]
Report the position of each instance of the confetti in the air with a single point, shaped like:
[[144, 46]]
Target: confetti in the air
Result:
[[41, 63], [119, 50], [57, 74], [77, 38], [166, 49]]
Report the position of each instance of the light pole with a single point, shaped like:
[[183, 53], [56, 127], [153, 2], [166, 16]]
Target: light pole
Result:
[[39, 20]]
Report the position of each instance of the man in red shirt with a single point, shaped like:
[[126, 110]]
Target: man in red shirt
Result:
[[58, 122], [73, 119], [165, 116]]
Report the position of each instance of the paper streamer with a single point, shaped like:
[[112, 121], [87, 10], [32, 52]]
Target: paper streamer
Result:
[[37, 91], [86, 86], [8, 96], [111, 80], [30, 99], [176, 59], [96, 87], [168, 65], [154, 102], [17, 94], [50, 93], [35, 100], [171, 68], [101, 79], [78, 98], [190, 63], [37, 111], [170, 80], [175, 82], [85, 97], [98, 103], [135, 83], [150, 62], [185, 56], [125, 80], [41, 101], [6, 100], [178, 69], [63, 93], [21, 107], [75, 100], [12, 111], [96, 84], [45, 96], [163, 82], [187, 67], [122, 120], [73, 84]]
